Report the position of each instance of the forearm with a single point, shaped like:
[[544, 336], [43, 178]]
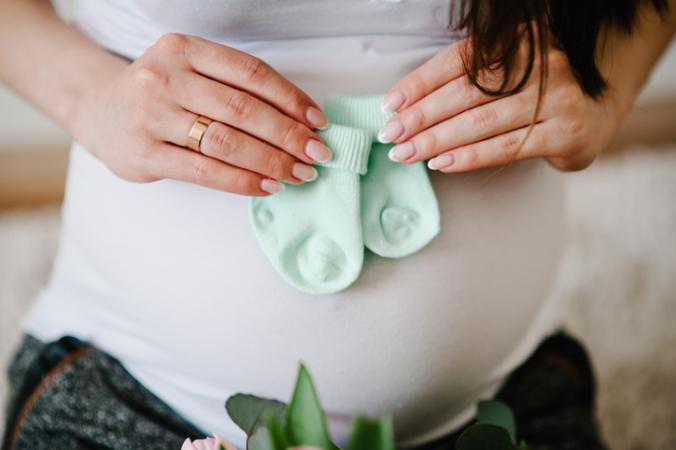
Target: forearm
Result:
[[49, 62], [627, 60]]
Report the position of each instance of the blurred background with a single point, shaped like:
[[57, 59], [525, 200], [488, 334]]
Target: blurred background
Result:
[[618, 278]]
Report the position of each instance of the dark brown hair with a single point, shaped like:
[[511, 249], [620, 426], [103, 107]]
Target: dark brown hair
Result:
[[497, 28]]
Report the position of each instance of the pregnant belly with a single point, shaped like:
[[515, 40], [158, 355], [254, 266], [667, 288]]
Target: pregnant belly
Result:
[[185, 293]]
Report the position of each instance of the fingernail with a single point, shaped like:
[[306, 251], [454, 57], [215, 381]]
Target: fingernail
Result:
[[271, 186], [304, 172], [316, 118], [401, 152], [393, 102], [391, 131], [317, 151], [441, 161]]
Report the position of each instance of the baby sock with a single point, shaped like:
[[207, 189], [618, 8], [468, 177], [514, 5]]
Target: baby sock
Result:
[[312, 232], [399, 211], [356, 111]]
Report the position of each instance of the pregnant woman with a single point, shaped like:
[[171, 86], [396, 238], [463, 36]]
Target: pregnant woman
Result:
[[161, 303]]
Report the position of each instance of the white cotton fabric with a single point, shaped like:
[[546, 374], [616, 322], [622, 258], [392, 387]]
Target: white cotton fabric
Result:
[[168, 276]]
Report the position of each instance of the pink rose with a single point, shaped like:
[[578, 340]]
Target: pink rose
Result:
[[211, 443]]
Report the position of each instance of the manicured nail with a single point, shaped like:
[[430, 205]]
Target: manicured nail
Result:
[[304, 172], [401, 152], [391, 131], [271, 186], [316, 118], [441, 161], [317, 151], [393, 102]]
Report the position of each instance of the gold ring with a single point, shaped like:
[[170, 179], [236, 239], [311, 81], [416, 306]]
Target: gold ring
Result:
[[197, 132]]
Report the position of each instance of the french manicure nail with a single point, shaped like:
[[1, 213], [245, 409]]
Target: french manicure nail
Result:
[[401, 152], [393, 102], [304, 172], [391, 131], [271, 186], [316, 118], [317, 151], [441, 162]]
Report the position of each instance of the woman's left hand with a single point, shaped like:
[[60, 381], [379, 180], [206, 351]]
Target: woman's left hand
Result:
[[445, 119]]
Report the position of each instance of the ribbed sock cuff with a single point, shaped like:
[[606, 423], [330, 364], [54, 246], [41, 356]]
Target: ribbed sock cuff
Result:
[[357, 111], [350, 147]]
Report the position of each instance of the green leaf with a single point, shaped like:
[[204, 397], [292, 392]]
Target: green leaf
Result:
[[372, 434], [278, 438], [260, 438], [522, 445], [245, 409], [483, 436], [497, 413], [305, 422]]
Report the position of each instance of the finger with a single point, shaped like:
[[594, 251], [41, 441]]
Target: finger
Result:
[[476, 124], [238, 149], [496, 151], [451, 99], [186, 165], [251, 115], [241, 150], [439, 70], [246, 72]]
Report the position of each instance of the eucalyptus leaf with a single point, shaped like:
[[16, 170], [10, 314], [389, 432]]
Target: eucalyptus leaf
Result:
[[372, 434], [260, 438], [484, 436], [305, 422], [497, 413], [245, 409]]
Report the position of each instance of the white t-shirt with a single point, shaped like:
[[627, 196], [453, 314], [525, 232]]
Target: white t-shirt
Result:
[[168, 276]]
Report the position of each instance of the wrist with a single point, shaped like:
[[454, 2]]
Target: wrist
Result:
[[85, 98], [619, 102]]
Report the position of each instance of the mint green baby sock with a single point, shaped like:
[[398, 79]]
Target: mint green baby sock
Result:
[[399, 210], [356, 111], [312, 232]]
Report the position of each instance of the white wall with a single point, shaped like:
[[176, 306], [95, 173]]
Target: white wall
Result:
[[21, 125]]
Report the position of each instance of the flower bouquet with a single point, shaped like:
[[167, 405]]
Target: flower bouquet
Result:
[[274, 425]]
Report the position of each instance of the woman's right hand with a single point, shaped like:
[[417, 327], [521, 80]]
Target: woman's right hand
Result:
[[138, 121]]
